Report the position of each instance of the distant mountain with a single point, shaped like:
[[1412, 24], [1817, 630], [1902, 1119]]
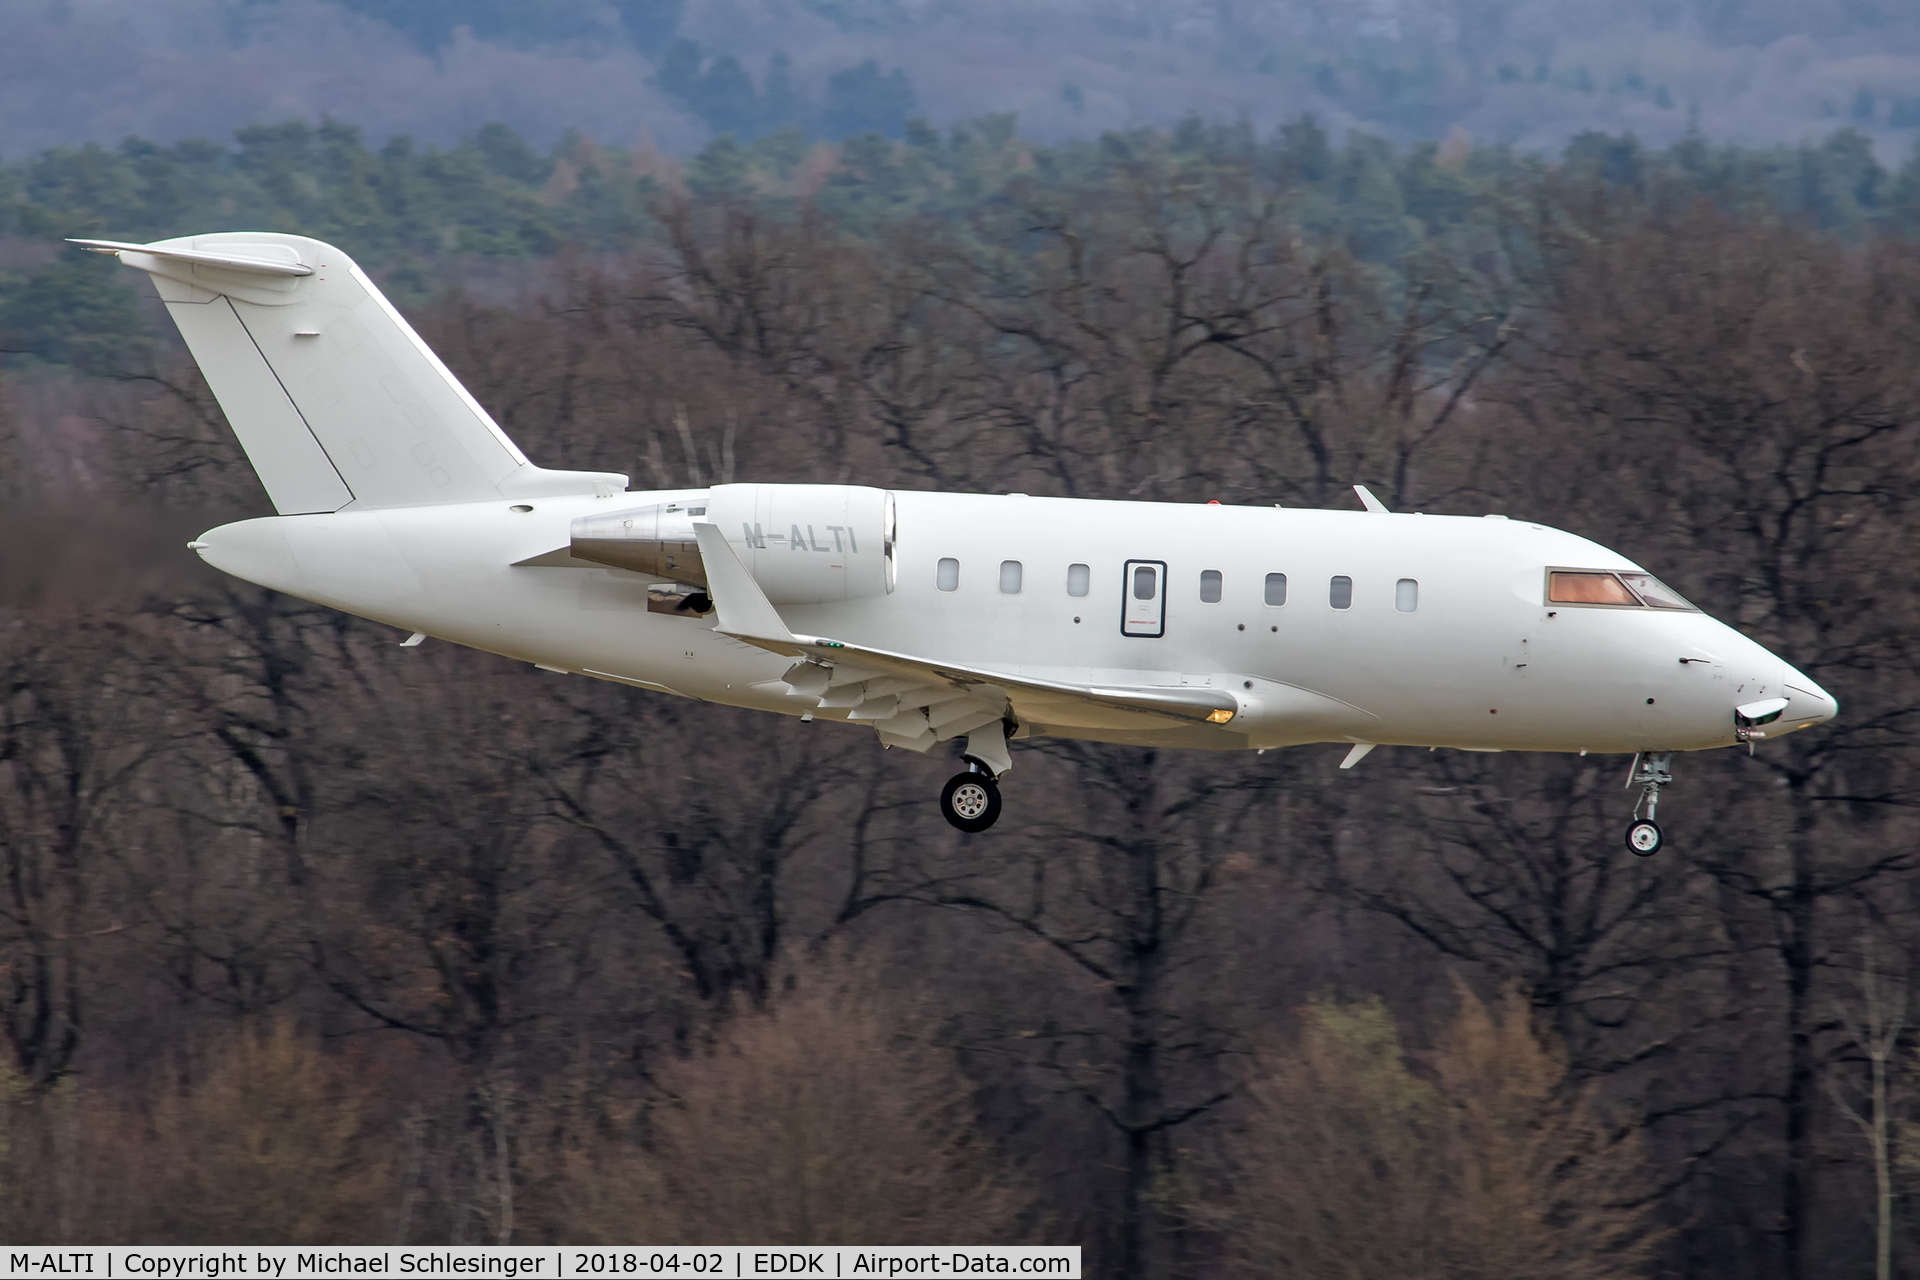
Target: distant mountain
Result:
[[675, 73]]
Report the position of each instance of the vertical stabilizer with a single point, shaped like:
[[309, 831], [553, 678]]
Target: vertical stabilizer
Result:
[[335, 398]]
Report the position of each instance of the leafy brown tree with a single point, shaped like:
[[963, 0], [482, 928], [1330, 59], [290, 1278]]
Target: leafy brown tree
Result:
[[820, 1118], [1355, 1158]]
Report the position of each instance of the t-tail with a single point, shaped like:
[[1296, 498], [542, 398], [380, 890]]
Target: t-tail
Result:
[[336, 400]]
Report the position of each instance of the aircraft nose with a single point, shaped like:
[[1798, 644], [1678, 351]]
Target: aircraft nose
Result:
[[1807, 702], [1757, 675]]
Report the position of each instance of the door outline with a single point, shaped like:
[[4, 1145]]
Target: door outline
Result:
[[1127, 627]]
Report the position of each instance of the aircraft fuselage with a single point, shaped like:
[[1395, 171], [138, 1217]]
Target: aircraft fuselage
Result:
[[1472, 655]]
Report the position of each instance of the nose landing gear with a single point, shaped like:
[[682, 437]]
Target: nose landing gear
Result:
[[1652, 770]]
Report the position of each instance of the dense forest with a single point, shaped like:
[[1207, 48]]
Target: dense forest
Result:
[[306, 936]]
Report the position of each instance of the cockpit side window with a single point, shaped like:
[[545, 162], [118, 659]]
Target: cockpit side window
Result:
[[1568, 586], [1655, 592]]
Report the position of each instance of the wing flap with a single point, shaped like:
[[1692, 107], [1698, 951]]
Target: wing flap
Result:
[[1041, 701]]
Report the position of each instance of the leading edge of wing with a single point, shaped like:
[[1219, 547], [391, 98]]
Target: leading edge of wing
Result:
[[744, 612]]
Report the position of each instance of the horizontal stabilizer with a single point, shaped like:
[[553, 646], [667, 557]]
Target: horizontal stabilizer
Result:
[[270, 266]]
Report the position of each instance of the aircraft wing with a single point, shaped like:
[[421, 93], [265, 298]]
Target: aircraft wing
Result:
[[914, 701]]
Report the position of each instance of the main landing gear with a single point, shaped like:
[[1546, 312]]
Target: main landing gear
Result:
[[1652, 770], [971, 800]]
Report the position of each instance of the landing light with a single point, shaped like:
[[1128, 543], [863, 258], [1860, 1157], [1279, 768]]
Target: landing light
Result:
[[1747, 719], [1219, 717], [1757, 713]]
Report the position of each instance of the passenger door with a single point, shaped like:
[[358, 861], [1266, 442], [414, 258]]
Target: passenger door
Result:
[[1143, 606]]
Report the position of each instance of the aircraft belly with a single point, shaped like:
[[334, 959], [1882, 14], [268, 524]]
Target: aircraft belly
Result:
[[1278, 714]]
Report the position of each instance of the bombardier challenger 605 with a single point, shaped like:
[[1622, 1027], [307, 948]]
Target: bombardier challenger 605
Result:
[[933, 617]]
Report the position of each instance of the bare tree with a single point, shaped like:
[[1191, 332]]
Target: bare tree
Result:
[[74, 738], [1127, 908], [1875, 1023]]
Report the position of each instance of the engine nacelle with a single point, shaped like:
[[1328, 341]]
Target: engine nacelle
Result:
[[809, 543], [803, 543]]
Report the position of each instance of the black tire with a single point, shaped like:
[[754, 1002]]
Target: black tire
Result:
[[970, 801], [1644, 837]]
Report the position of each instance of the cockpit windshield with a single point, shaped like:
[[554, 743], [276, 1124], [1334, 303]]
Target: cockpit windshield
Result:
[[1655, 592], [1596, 586]]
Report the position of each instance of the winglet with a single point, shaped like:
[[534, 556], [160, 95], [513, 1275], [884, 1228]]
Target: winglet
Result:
[[1370, 502], [743, 607]]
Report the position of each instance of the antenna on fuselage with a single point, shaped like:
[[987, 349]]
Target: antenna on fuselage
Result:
[[1370, 502]]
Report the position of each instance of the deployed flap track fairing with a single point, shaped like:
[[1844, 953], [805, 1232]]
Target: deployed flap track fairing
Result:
[[933, 617]]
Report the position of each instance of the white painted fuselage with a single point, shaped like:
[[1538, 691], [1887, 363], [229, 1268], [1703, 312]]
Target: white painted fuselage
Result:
[[1482, 660]]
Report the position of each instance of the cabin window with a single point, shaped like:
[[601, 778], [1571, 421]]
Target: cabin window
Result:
[[1009, 577], [1276, 588], [1078, 577], [1406, 595], [1145, 582], [1340, 592], [1210, 586], [1587, 588], [1654, 592], [949, 576]]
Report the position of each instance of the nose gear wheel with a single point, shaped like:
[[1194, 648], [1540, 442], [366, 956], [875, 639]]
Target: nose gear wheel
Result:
[[1651, 771]]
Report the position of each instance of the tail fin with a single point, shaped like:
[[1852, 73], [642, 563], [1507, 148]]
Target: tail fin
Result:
[[335, 398]]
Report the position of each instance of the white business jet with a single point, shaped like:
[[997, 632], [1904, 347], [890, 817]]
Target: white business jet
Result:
[[933, 617]]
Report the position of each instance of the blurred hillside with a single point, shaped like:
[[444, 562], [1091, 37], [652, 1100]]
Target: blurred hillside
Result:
[[674, 73]]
